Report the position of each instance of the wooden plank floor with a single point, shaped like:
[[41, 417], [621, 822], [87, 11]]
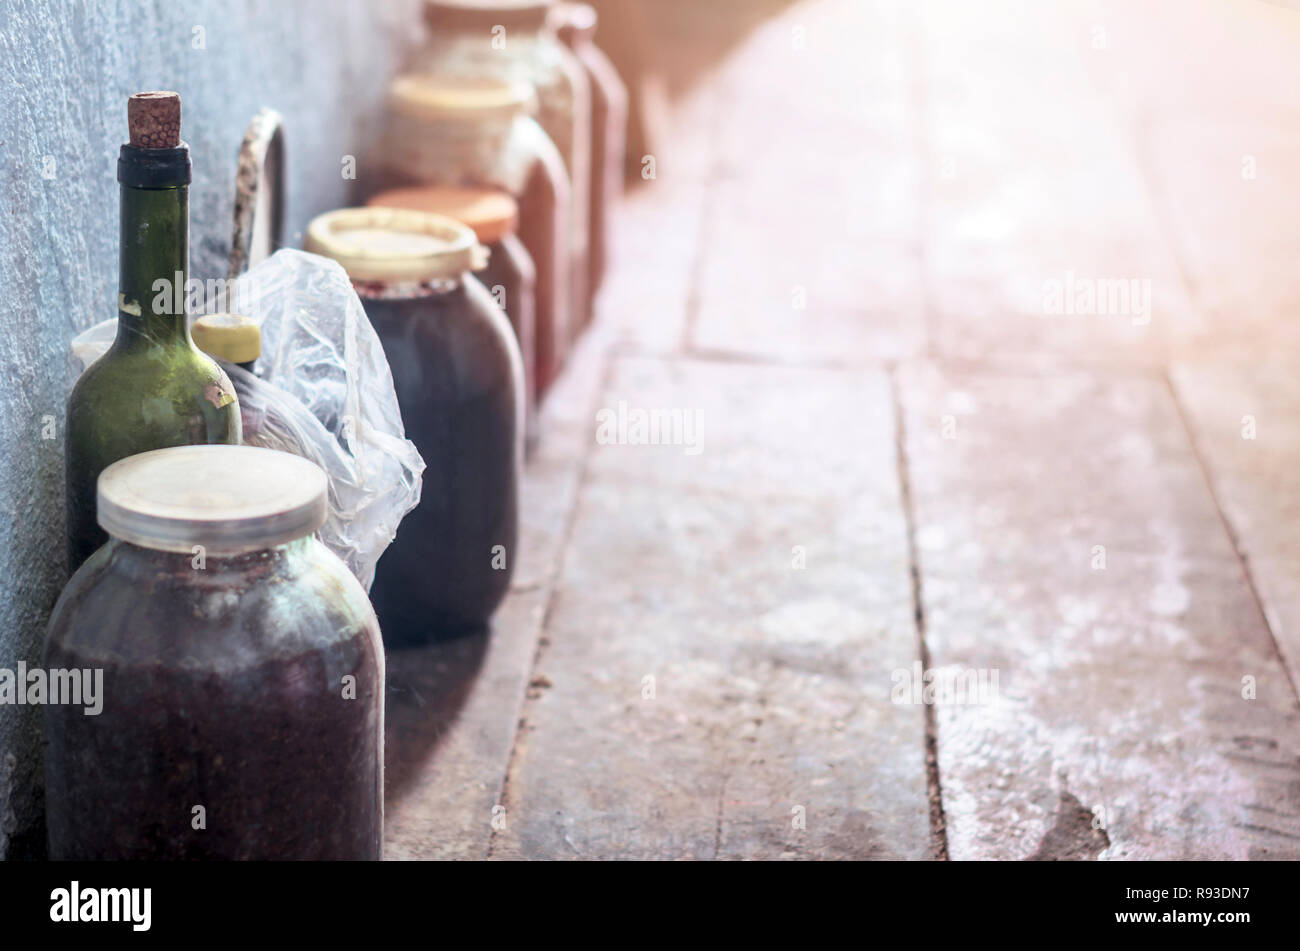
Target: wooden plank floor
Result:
[[908, 463]]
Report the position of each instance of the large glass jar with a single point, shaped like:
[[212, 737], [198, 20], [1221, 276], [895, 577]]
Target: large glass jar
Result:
[[242, 671], [576, 26], [515, 40], [478, 134], [459, 382], [509, 272]]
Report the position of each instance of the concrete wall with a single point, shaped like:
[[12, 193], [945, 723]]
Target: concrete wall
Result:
[[66, 68]]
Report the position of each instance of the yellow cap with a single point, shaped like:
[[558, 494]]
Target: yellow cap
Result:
[[230, 337]]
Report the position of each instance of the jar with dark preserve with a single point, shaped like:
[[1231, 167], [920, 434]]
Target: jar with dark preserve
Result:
[[509, 274], [515, 40], [459, 382], [479, 134], [243, 673], [576, 25]]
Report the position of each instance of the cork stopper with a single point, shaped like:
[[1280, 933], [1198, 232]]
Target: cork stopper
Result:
[[154, 119]]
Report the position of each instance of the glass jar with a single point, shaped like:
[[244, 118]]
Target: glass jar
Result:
[[242, 671], [575, 23], [478, 134], [459, 382], [509, 273], [515, 40]]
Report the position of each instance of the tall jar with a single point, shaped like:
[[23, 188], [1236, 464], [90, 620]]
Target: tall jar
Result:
[[479, 134], [459, 382], [509, 272], [515, 40], [241, 701], [575, 24]]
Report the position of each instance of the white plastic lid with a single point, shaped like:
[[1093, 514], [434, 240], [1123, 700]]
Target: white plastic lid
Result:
[[229, 499], [395, 244]]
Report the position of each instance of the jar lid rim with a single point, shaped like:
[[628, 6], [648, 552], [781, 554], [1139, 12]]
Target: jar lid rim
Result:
[[395, 244], [226, 499]]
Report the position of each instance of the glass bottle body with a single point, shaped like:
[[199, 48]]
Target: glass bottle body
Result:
[[153, 388]]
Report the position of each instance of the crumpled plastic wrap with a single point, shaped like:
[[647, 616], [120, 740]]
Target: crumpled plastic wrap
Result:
[[322, 390]]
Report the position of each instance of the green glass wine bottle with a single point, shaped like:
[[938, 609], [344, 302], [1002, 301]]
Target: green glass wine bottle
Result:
[[153, 388]]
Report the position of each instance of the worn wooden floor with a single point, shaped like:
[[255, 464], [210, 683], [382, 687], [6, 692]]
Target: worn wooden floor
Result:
[[844, 268]]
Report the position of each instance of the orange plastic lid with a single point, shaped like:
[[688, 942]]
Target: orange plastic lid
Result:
[[492, 214]]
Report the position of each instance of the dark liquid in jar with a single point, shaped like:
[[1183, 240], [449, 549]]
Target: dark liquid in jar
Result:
[[458, 378], [224, 707]]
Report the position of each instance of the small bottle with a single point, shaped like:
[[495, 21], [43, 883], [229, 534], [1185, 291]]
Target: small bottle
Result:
[[231, 337], [459, 380], [153, 388], [236, 340]]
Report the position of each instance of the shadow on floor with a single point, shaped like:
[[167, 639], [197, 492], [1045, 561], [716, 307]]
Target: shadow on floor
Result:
[[425, 690]]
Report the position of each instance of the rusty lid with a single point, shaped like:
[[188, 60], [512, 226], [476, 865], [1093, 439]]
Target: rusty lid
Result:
[[492, 213]]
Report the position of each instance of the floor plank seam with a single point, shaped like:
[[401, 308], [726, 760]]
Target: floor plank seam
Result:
[[1234, 538], [934, 786]]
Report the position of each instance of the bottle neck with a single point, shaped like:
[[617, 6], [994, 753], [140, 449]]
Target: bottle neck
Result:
[[155, 256]]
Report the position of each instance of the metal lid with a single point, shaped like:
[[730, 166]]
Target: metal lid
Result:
[[492, 213], [229, 499], [395, 244], [230, 337], [432, 97]]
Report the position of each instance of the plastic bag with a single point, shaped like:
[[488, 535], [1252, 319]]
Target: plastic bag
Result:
[[322, 390]]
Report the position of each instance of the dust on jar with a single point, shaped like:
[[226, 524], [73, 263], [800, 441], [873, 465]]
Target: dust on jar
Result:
[[478, 133], [243, 671], [459, 381]]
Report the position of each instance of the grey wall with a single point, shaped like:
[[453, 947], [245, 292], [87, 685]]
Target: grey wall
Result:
[[66, 68]]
